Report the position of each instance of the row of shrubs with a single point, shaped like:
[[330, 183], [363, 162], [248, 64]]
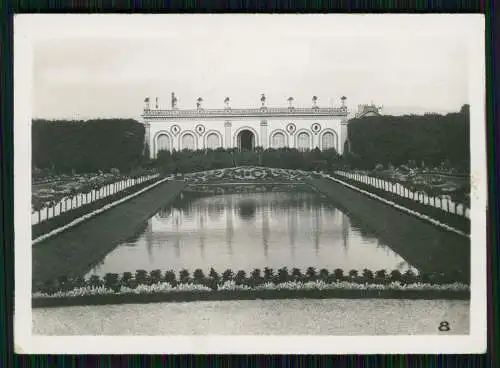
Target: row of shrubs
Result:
[[255, 278]]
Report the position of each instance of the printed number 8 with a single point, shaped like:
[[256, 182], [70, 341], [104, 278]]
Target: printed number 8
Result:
[[444, 326]]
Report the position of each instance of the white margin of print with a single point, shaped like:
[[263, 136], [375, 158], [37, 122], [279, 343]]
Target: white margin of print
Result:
[[29, 28]]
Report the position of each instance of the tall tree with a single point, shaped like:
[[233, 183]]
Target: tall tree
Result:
[[87, 146], [431, 139]]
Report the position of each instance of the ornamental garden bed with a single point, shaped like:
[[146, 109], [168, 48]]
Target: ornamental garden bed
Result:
[[459, 222], [66, 217], [144, 287], [248, 174]]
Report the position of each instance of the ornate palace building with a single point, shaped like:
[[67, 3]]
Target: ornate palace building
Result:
[[266, 127]]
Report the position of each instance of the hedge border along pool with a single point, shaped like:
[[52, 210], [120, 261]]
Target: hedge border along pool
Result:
[[156, 287]]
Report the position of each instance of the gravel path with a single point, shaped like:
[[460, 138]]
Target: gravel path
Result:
[[279, 317]]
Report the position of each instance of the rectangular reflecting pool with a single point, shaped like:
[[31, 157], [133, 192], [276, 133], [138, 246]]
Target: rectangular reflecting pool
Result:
[[245, 231]]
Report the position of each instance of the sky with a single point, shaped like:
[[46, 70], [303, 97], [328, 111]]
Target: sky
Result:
[[106, 67]]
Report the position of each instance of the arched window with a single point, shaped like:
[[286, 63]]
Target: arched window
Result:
[[278, 140], [303, 141], [188, 141], [213, 141], [163, 143], [328, 141]]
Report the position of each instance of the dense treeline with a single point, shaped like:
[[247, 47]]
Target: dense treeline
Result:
[[87, 146], [396, 140]]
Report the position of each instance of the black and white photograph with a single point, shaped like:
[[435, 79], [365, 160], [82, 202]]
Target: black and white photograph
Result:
[[242, 183]]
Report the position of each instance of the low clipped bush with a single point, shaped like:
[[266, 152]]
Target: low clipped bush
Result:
[[338, 274], [227, 275], [353, 274], [126, 279], [282, 275], [141, 276], [256, 277], [311, 274], [199, 277], [184, 276], [170, 277], [155, 276], [297, 275], [240, 278]]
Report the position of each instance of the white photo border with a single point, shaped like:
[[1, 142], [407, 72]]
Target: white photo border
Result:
[[29, 28]]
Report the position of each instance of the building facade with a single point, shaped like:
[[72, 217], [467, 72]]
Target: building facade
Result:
[[368, 110], [266, 127]]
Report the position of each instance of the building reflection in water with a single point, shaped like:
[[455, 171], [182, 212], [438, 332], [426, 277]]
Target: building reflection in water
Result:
[[229, 225], [316, 227], [247, 209], [149, 240], [265, 230], [345, 232], [292, 229], [202, 235]]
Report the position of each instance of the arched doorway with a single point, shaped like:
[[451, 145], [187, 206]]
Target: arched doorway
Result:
[[246, 140]]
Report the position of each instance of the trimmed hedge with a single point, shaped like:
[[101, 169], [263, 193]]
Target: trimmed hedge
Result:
[[255, 278], [65, 218]]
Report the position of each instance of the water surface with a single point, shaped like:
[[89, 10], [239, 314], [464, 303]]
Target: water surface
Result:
[[251, 230]]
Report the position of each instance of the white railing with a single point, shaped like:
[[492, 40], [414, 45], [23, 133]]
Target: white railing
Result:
[[443, 203], [81, 199]]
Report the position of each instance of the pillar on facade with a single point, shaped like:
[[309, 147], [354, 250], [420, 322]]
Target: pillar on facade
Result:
[[147, 140], [227, 134], [316, 141], [343, 136], [263, 134]]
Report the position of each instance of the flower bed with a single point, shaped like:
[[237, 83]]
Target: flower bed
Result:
[[249, 174], [156, 286], [433, 183], [56, 188], [51, 192], [66, 217], [459, 222]]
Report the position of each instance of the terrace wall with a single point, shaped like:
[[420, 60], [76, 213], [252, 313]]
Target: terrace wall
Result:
[[425, 246], [75, 250]]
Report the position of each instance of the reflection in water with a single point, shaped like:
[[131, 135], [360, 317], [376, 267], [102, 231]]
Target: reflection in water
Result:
[[246, 209], [251, 230], [345, 232]]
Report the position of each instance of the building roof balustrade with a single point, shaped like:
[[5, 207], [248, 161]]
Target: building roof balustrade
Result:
[[258, 112]]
